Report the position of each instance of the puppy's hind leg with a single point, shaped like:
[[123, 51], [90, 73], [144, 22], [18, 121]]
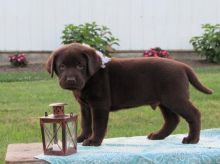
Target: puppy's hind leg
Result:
[[192, 115], [171, 121]]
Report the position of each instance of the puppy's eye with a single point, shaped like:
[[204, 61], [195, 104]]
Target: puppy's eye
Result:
[[62, 67], [80, 67]]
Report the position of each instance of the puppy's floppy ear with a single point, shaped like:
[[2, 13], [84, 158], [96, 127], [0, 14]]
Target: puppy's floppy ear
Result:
[[93, 60], [50, 64]]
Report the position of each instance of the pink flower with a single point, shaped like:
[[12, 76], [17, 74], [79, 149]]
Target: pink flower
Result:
[[18, 60], [156, 52], [164, 53]]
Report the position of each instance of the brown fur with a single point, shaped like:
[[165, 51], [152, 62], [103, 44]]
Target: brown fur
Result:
[[126, 83]]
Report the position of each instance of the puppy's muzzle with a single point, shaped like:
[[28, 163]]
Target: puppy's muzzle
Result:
[[71, 82]]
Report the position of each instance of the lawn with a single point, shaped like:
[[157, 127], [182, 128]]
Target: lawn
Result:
[[24, 97]]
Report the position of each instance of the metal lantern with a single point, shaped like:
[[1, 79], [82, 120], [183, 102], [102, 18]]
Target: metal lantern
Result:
[[59, 131]]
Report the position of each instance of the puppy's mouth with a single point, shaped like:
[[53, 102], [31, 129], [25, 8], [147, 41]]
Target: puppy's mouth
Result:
[[72, 86], [69, 87]]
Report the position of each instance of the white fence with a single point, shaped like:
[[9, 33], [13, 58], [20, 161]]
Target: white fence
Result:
[[36, 25]]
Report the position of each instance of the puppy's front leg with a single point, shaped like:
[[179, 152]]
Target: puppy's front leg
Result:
[[99, 126], [86, 123]]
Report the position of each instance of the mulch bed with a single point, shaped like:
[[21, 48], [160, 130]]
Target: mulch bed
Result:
[[199, 63], [29, 68], [41, 67]]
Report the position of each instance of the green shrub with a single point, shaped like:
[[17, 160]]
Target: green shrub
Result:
[[208, 44], [98, 37]]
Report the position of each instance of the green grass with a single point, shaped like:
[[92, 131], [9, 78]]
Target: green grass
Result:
[[24, 76], [24, 97]]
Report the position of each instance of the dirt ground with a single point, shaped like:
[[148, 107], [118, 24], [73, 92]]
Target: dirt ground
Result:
[[41, 67], [29, 68]]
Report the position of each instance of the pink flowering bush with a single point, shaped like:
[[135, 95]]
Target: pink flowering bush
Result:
[[18, 60], [156, 52]]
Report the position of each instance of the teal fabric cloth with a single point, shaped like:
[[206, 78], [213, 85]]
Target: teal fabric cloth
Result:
[[135, 150]]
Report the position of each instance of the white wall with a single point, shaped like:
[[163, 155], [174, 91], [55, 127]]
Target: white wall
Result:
[[139, 24]]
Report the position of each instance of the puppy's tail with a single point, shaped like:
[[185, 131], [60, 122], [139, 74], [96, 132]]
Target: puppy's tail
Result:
[[195, 82]]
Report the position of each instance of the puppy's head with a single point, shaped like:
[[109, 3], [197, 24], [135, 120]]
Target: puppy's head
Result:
[[74, 64]]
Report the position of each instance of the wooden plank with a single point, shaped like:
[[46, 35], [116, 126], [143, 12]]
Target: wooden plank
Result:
[[24, 153]]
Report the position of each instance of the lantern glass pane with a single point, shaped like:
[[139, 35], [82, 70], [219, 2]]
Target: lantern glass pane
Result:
[[53, 136], [71, 135]]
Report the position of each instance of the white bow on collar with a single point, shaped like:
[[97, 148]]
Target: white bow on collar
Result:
[[104, 59]]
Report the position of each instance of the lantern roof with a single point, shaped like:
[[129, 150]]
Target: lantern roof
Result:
[[57, 104]]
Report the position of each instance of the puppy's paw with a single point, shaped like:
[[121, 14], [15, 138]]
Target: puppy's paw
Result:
[[91, 142], [155, 136], [81, 138], [189, 140]]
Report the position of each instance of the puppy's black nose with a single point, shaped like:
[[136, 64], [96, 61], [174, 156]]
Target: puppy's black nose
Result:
[[71, 79]]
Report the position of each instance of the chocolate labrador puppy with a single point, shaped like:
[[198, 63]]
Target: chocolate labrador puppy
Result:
[[126, 83]]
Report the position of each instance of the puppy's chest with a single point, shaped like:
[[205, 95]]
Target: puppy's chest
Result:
[[85, 97], [81, 97]]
